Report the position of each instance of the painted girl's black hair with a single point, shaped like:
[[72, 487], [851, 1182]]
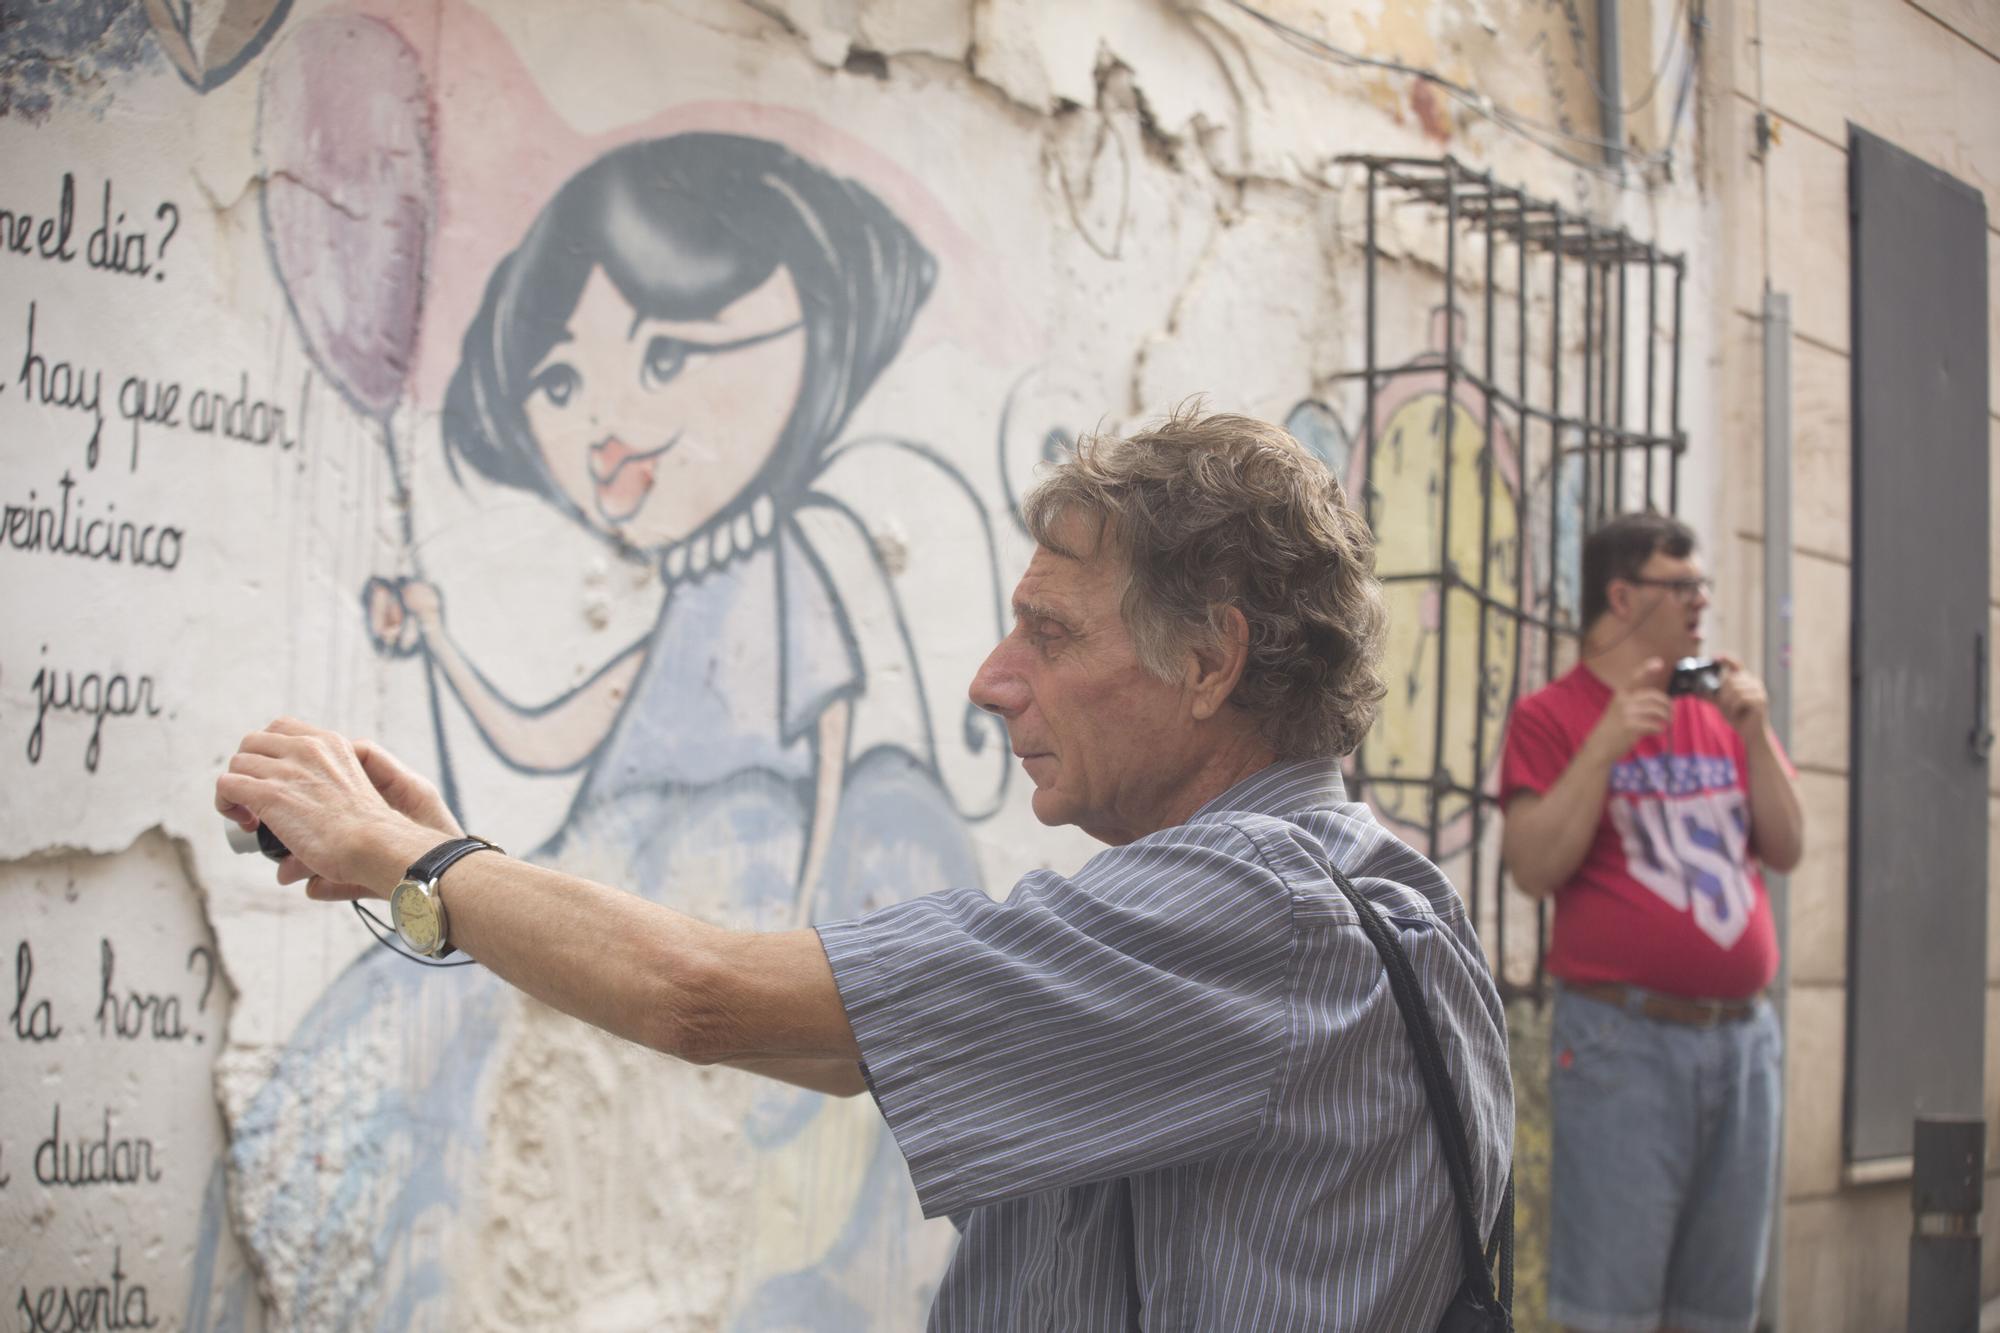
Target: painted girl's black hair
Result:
[[683, 227]]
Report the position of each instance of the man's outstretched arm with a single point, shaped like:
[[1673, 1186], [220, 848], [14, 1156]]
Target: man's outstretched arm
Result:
[[355, 819]]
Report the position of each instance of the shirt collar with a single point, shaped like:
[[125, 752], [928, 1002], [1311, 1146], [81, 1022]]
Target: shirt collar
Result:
[[1282, 787], [1588, 683]]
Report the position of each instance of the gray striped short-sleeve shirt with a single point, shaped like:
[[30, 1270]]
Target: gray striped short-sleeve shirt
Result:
[[1173, 1091]]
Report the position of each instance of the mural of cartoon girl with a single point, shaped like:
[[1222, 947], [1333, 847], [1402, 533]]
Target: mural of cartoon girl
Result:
[[669, 357]]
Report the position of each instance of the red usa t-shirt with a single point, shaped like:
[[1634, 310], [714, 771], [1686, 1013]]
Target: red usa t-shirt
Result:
[[1668, 897]]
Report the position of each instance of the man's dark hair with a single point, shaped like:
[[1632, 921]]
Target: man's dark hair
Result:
[[1621, 548]]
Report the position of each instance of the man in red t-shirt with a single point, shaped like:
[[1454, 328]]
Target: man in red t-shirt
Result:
[[1646, 817]]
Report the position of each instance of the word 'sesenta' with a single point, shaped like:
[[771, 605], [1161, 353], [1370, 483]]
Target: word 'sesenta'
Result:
[[117, 1304]]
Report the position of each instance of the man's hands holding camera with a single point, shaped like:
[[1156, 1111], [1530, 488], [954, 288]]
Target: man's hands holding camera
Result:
[[1643, 707], [351, 813]]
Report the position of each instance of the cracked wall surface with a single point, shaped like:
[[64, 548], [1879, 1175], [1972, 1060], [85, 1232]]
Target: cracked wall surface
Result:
[[268, 269]]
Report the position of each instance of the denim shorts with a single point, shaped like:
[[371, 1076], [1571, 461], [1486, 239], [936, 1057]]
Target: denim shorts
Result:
[[1665, 1168]]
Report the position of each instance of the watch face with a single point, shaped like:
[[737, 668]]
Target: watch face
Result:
[[416, 916]]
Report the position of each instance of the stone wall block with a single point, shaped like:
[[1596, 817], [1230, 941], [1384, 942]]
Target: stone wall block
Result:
[[1819, 885], [1821, 690]]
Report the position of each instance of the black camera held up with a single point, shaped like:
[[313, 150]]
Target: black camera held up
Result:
[[1699, 676]]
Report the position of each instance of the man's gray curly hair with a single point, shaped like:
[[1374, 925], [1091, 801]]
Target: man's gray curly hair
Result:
[[1213, 511]]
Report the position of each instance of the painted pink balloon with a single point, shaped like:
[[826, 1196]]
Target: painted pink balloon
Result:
[[344, 136]]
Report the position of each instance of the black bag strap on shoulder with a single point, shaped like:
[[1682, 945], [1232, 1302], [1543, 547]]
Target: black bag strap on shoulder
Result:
[[1475, 1309]]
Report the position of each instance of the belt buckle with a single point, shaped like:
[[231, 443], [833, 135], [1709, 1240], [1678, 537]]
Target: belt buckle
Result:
[[1683, 1011]]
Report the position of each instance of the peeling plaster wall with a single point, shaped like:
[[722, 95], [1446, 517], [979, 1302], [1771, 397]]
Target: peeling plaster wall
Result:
[[111, 1180], [1044, 218]]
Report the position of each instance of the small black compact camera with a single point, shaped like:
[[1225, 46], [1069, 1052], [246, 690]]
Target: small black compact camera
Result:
[[1701, 676]]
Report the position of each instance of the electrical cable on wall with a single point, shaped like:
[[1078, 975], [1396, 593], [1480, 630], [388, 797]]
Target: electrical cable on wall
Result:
[[1534, 131], [1659, 66]]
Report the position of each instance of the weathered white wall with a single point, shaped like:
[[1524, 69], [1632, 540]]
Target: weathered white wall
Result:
[[1125, 203]]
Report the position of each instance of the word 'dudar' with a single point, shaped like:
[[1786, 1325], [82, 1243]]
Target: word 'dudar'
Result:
[[106, 1159]]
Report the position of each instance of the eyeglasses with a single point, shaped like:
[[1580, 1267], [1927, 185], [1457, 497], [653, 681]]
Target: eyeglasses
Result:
[[1685, 589]]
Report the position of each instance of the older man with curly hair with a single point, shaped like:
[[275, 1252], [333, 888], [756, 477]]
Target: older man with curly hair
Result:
[[1168, 1090]]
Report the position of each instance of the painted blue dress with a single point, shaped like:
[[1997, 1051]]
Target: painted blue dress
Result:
[[712, 763]]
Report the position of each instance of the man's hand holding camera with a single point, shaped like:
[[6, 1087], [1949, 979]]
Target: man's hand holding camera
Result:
[[330, 799], [1744, 703], [1638, 709]]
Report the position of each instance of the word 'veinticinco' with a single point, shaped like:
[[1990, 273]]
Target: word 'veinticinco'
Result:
[[61, 529], [96, 695]]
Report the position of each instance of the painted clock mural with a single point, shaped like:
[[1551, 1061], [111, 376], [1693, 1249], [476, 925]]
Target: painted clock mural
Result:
[[1444, 714]]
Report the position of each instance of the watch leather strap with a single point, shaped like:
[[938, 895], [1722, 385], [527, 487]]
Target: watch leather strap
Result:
[[427, 869], [441, 857]]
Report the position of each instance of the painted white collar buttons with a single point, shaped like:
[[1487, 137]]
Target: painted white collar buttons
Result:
[[716, 545]]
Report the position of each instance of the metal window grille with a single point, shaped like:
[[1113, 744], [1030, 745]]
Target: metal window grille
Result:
[[1549, 402]]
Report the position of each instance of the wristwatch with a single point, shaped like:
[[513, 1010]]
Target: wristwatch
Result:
[[414, 904]]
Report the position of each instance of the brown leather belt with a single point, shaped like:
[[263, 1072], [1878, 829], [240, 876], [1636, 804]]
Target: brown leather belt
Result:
[[1667, 1008]]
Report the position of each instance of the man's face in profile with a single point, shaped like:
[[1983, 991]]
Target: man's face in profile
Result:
[[1672, 594], [1097, 734]]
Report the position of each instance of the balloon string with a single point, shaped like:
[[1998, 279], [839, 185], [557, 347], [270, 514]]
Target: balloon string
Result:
[[447, 781]]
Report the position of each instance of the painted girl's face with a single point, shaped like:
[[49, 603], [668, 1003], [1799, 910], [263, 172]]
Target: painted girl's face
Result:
[[651, 426]]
